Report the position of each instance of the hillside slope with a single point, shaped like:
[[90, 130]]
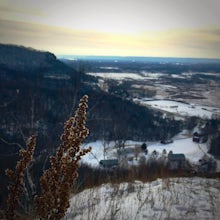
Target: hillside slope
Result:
[[175, 198]]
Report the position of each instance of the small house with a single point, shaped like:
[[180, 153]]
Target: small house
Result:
[[176, 161], [200, 138], [109, 164]]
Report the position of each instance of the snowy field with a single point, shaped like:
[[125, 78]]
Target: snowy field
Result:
[[144, 75], [148, 75], [180, 108], [128, 76], [193, 151], [173, 198], [163, 89], [118, 76]]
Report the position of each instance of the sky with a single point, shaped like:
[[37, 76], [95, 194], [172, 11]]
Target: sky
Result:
[[160, 28]]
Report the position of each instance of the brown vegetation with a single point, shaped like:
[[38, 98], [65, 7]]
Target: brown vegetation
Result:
[[17, 177], [57, 181]]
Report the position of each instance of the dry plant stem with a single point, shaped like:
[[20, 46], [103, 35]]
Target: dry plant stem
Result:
[[57, 181], [17, 177]]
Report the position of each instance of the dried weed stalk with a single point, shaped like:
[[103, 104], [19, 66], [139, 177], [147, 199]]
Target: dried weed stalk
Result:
[[57, 181], [15, 189]]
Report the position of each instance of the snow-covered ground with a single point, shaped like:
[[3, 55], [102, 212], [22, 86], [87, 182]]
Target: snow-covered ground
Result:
[[181, 144], [201, 94], [118, 76], [180, 108], [174, 198], [144, 74], [149, 75]]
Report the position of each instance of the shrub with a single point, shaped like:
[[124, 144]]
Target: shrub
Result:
[[17, 177], [57, 181]]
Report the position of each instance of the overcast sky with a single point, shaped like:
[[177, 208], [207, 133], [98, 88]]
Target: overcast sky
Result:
[[171, 28]]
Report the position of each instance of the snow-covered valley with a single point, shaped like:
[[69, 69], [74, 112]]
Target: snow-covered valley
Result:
[[181, 109], [181, 145], [198, 91], [154, 131], [178, 96]]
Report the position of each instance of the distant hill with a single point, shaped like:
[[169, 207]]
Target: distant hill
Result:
[[19, 58]]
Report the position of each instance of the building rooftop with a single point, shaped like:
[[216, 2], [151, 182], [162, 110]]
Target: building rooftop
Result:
[[176, 157]]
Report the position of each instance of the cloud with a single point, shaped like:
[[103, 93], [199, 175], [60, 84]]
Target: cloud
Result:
[[130, 16], [176, 42], [185, 42], [49, 37]]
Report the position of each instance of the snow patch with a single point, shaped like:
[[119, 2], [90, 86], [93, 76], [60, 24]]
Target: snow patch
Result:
[[173, 198], [118, 76], [180, 108]]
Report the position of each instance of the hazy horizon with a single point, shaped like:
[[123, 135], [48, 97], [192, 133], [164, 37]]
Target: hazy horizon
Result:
[[66, 56]]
